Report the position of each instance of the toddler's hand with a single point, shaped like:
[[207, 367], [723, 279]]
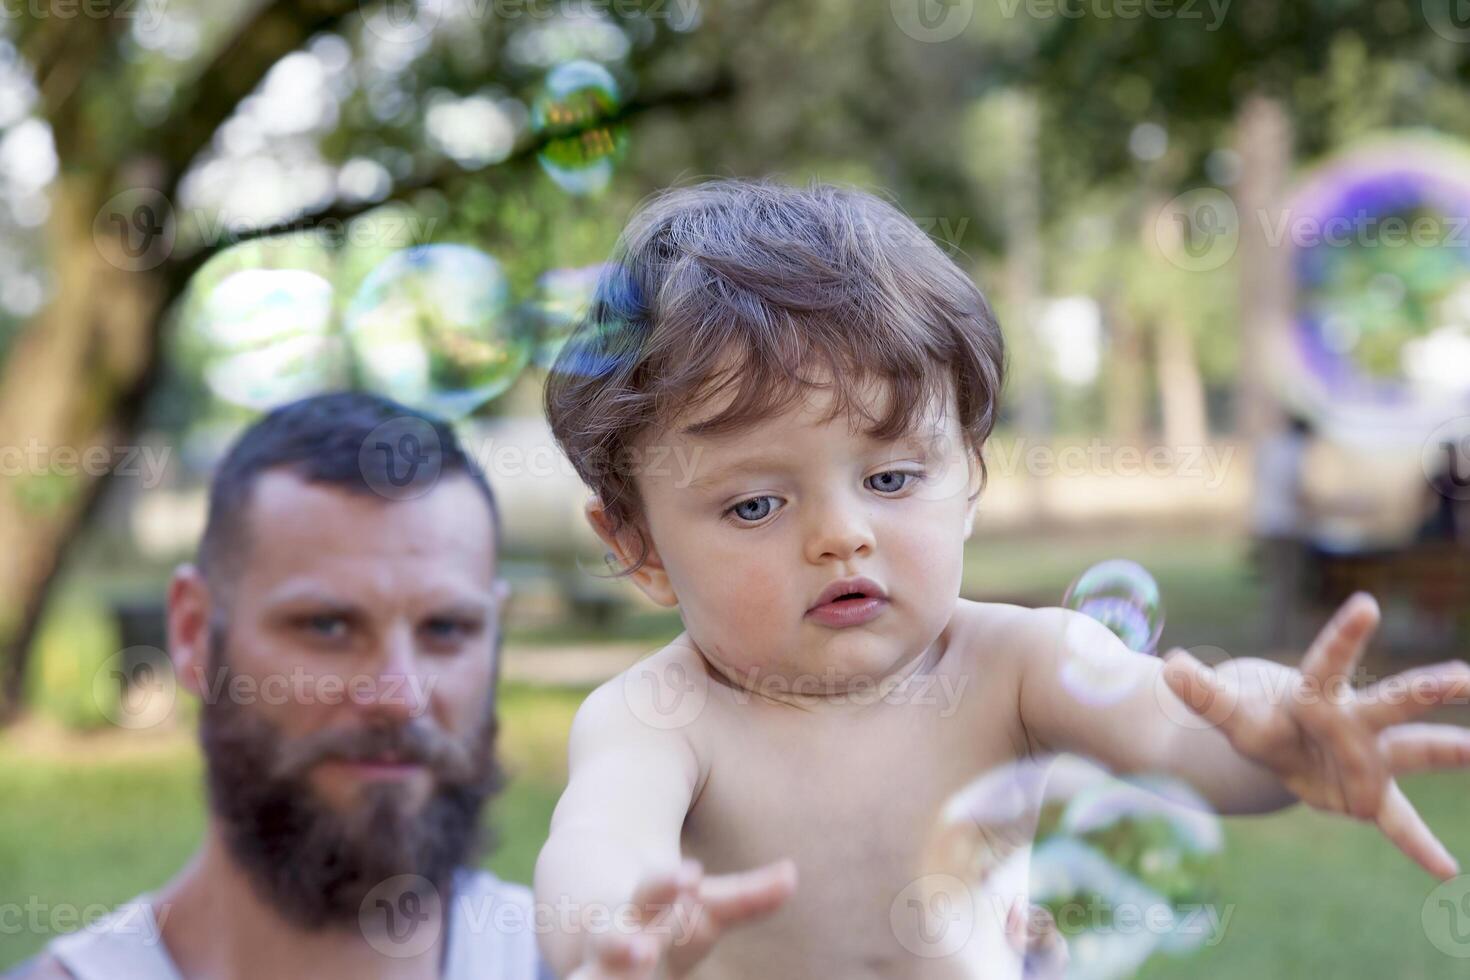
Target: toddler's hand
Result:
[[680, 918], [1034, 934], [1334, 747]]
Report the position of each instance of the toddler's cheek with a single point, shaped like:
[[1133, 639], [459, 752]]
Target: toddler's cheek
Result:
[[743, 605], [759, 605]]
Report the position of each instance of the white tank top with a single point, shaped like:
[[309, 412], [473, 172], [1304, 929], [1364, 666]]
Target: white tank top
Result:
[[491, 935]]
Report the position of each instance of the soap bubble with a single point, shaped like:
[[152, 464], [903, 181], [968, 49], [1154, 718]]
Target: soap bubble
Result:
[[1095, 673], [1124, 597], [1144, 849], [1192, 825], [1126, 867], [432, 327], [562, 299], [265, 337], [609, 336], [579, 155]]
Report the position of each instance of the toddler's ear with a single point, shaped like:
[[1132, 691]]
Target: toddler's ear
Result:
[[650, 575]]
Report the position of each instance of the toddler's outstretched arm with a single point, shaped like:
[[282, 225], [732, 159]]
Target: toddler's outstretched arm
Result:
[[1251, 735], [618, 898]]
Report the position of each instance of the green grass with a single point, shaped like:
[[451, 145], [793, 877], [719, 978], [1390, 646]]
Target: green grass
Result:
[[1322, 896]]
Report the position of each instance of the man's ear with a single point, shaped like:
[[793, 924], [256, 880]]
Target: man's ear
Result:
[[650, 575], [189, 605]]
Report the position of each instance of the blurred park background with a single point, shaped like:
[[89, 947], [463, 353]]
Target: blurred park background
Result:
[[1228, 240]]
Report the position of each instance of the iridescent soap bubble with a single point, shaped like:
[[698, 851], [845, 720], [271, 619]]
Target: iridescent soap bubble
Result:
[[265, 337], [1127, 867], [578, 153], [562, 299], [1085, 891], [1124, 597], [1161, 833], [432, 327], [609, 335]]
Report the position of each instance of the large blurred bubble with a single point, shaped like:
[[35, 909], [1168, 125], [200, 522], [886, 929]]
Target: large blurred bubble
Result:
[[562, 299], [432, 327], [1126, 867], [266, 337], [608, 336], [579, 155]]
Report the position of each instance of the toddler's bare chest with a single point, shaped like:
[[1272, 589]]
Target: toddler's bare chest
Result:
[[855, 806], [853, 799]]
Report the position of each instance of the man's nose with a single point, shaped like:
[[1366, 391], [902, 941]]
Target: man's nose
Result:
[[840, 530], [392, 689]]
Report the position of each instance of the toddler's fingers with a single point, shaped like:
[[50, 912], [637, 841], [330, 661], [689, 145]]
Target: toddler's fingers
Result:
[[619, 957], [1411, 748], [1401, 823], [1016, 924], [1333, 655], [1202, 689], [734, 898], [656, 893], [1031, 928], [1406, 696]]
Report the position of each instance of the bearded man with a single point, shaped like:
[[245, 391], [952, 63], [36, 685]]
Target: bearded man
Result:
[[341, 628]]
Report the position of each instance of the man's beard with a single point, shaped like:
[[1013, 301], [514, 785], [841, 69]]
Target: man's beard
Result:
[[316, 865]]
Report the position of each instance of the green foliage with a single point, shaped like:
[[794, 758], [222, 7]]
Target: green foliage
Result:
[[76, 638]]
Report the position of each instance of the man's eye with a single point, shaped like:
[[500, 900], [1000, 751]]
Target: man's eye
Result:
[[754, 509], [325, 625], [890, 481], [449, 629]]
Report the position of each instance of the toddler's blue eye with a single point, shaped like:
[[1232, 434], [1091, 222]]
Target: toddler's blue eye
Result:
[[753, 509], [891, 481]]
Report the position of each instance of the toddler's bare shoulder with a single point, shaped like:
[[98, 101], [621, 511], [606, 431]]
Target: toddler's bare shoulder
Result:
[[992, 635], [664, 694]]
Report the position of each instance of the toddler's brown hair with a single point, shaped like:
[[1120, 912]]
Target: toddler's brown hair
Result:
[[738, 289]]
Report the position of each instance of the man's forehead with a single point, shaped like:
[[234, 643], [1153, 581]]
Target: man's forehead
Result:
[[293, 525]]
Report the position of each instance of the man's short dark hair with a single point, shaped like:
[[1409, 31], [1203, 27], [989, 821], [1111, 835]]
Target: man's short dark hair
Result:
[[361, 442]]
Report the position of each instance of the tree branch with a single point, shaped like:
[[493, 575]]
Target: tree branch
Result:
[[718, 88], [273, 31]]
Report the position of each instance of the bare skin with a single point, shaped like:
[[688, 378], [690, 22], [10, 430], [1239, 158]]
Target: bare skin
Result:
[[766, 742]]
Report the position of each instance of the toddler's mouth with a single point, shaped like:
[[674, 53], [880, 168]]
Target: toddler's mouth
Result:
[[849, 602]]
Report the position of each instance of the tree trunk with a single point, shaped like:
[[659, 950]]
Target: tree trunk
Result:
[[1181, 389], [1263, 138], [72, 386], [1125, 398]]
